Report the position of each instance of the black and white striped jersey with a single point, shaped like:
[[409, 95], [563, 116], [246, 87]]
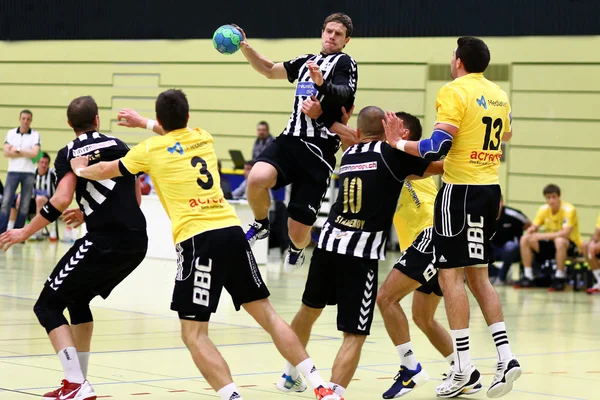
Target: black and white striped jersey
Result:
[[109, 205], [340, 75], [45, 184], [371, 178]]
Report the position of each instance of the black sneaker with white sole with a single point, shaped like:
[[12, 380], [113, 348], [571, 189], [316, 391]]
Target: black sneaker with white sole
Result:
[[507, 372]]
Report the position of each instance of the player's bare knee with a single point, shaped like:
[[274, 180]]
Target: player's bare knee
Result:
[[309, 314], [354, 340], [423, 322], [561, 243], [298, 232], [262, 176], [384, 298]]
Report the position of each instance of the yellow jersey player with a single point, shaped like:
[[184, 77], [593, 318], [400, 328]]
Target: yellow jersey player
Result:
[[473, 118], [414, 272], [213, 252], [591, 251], [560, 239]]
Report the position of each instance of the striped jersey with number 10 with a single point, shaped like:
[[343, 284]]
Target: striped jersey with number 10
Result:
[[371, 178]]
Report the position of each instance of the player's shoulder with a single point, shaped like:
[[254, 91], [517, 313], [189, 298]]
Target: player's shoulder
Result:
[[453, 88], [544, 208], [566, 206], [302, 58]]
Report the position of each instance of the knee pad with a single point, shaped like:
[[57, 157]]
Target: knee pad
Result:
[[80, 313], [302, 214], [49, 310]]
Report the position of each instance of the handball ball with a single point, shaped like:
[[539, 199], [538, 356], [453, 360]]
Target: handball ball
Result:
[[227, 39]]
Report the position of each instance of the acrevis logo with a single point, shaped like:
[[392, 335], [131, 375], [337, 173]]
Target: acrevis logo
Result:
[[199, 201], [484, 157]]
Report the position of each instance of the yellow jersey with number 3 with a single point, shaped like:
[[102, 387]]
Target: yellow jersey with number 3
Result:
[[183, 167], [415, 210], [481, 112]]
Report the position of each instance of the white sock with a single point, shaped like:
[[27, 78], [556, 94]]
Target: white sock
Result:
[[11, 225], [498, 331], [450, 358], [597, 275], [229, 392], [407, 356], [561, 273], [337, 389], [528, 272], [84, 360], [308, 369], [291, 371], [70, 363], [460, 341]]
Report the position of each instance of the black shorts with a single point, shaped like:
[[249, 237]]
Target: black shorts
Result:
[[210, 261], [307, 165], [417, 264], [348, 281], [548, 250], [96, 264], [465, 220]]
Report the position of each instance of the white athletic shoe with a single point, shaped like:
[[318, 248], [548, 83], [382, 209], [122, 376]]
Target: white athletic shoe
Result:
[[72, 391], [287, 384], [459, 382], [507, 372], [293, 260]]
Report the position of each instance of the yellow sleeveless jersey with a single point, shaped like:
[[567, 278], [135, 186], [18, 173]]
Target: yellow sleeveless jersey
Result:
[[415, 210], [183, 167], [565, 217], [481, 112]]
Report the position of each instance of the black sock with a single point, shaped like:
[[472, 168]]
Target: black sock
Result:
[[294, 248], [263, 222]]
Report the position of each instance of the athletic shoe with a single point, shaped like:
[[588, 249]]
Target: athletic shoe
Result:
[[594, 289], [293, 259], [405, 381], [524, 283], [457, 382], [287, 384], [72, 391], [558, 285], [323, 393], [469, 389], [256, 232], [507, 372]]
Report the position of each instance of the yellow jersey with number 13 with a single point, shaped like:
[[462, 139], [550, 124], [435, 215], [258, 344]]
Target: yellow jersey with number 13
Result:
[[183, 167], [481, 112]]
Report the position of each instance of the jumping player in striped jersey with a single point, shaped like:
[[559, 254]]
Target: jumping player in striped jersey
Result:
[[304, 154], [414, 272], [473, 118], [344, 266]]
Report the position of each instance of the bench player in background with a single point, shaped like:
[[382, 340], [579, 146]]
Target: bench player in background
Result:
[[212, 250], [591, 252], [344, 266], [115, 244], [304, 154], [473, 118]]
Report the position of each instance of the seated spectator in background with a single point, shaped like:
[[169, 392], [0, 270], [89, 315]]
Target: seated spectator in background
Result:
[[263, 139], [43, 189], [20, 146], [560, 239], [505, 242], [591, 252], [225, 184], [240, 191]]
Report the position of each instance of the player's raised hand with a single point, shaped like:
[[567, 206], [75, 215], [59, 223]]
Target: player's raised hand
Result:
[[394, 128], [346, 115], [130, 118], [13, 236], [315, 73], [312, 107], [73, 217], [79, 162], [244, 42]]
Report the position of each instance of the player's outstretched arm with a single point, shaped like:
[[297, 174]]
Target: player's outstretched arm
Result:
[[97, 172], [132, 119], [260, 63], [431, 149], [51, 211]]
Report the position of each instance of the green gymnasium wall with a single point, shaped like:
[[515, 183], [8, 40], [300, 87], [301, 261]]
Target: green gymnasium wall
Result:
[[553, 83]]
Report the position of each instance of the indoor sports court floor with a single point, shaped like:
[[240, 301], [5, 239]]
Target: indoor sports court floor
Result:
[[138, 353]]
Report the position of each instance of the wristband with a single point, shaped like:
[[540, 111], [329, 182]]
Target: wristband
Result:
[[401, 143], [50, 212], [150, 124], [78, 171]]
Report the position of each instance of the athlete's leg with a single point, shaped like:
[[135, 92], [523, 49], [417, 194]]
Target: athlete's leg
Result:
[[299, 233], [263, 177], [347, 359], [423, 311]]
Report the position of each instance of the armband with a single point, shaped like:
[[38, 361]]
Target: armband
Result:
[[50, 212], [437, 146]]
